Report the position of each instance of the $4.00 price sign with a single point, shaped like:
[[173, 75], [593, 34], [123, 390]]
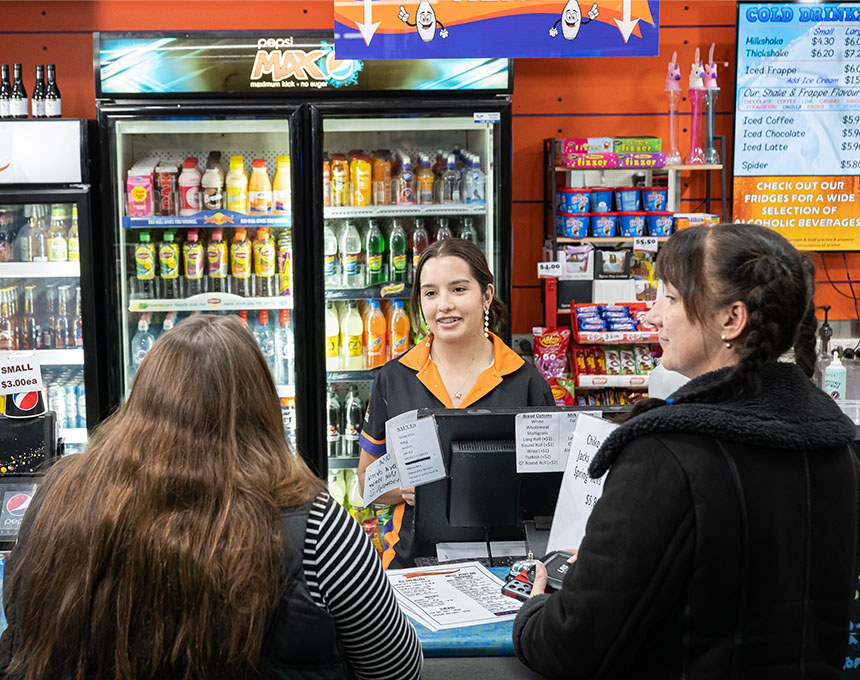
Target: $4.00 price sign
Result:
[[20, 373]]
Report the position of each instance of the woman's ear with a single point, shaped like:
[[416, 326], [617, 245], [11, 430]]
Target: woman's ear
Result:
[[488, 294], [733, 320]]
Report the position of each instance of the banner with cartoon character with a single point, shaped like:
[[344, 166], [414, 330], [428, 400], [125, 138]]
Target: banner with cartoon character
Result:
[[450, 29]]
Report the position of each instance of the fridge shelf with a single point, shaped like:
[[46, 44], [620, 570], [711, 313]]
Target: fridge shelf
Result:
[[286, 391], [207, 219], [351, 376], [211, 302], [343, 463], [55, 357], [74, 435], [405, 210], [392, 291], [40, 270]]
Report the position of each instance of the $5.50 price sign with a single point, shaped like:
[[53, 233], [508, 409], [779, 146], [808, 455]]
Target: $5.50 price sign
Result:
[[21, 373]]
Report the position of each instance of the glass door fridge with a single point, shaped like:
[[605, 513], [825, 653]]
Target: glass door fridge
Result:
[[388, 185], [203, 214], [46, 283]]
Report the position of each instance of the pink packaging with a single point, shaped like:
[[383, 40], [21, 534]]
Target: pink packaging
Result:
[[583, 145], [139, 188], [587, 160], [641, 160]]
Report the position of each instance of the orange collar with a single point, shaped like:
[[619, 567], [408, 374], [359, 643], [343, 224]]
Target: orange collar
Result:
[[505, 361]]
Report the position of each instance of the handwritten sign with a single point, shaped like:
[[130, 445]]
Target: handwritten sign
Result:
[[379, 477], [543, 440], [20, 373], [416, 449], [549, 270], [579, 493], [645, 244]]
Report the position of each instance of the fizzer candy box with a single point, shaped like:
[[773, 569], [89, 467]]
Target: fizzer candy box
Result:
[[636, 144], [641, 160], [583, 145], [587, 160]]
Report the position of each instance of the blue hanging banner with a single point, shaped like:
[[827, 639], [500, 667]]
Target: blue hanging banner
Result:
[[455, 29]]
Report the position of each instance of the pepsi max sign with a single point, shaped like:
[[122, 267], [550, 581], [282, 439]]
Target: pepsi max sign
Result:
[[16, 501]]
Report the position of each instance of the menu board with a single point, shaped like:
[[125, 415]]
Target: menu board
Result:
[[797, 122]]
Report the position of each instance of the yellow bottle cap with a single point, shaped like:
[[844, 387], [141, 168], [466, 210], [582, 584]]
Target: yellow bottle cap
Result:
[[237, 163]]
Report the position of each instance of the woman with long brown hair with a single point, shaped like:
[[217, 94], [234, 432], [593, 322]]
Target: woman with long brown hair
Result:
[[189, 542]]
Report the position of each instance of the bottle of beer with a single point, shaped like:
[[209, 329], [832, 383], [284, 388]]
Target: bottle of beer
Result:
[[53, 101], [7, 327], [29, 337], [5, 92], [37, 104], [18, 104]]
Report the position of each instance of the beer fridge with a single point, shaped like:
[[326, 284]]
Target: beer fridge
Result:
[[368, 145]]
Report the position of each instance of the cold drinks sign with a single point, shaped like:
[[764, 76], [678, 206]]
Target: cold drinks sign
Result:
[[797, 122]]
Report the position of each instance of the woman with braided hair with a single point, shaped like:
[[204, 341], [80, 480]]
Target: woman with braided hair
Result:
[[725, 544]]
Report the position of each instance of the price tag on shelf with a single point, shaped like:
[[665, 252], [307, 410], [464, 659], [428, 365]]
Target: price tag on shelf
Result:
[[645, 244], [20, 373], [549, 270]]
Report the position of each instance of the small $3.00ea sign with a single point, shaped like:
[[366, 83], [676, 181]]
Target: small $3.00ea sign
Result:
[[20, 373]]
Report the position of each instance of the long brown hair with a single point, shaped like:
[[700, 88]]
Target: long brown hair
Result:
[[478, 268], [156, 553]]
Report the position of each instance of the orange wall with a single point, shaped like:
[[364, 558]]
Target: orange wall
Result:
[[552, 97]]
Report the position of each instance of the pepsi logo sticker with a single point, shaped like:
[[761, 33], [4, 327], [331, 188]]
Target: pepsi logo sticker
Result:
[[18, 504], [25, 401]]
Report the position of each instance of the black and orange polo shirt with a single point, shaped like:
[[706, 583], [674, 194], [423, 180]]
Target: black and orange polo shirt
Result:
[[413, 382]]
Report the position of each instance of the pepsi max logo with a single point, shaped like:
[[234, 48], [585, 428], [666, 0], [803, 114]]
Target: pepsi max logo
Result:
[[25, 401], [18, 504]]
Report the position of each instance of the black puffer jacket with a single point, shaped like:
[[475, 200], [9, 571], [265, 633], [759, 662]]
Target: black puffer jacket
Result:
[[725, 546]]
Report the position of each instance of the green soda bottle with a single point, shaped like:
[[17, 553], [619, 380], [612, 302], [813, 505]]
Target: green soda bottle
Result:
[[375, 248], [397, 253], [144, 261]]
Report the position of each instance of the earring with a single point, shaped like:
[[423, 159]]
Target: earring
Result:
[[487, 322], [726, 340]]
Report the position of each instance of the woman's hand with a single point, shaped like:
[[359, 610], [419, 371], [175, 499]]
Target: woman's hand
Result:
[[408, 494], [539, 586]]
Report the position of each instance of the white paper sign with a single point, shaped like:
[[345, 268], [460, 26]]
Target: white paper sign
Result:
[[547, 270], [416, 449], [379, 477], [645, 244], [579, 492], [20, 373], [543, 440]]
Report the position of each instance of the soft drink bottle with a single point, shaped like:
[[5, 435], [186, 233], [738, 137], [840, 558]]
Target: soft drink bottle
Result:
[[375, 249], [78, 320], [332, 338], [376, 332], [350, 251], [329, 256], [282, 196], [450, 182], [265, 339], [168, 261], [443, 231], [476, 182], [264, 264], [405, 184], [144, 259], [169, 322], [193, 259], [240, 263], [352, 339], [59, 248], [285, 261], [426, 179], [216, 254], [398, 250], [142, 341], [334, 426], [353, 417], [468, 231], [420, 241], [400, 328], [284, 350], [242, 314]]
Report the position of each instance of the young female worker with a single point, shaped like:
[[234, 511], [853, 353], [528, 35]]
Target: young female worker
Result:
[[189, 542], [459, 364], [725, 544]]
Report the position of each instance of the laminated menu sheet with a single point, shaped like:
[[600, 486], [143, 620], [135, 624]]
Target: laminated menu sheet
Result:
[[441, 597]]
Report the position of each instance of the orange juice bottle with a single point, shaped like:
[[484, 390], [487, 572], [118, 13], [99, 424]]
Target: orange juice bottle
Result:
[[282, 197], [359, 171], [259, 189], [339, 180], [399, 327], [376, 333], [381, 179], [326, 183]]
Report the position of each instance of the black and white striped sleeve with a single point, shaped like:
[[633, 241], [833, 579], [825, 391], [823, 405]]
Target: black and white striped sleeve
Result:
[[345, 576]]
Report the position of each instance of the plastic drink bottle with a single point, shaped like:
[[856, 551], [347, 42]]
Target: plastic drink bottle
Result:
[[398, 253], [450, 182], [282, 196], [265, 339], [284, 350], [243, 317], [340, 194], [376, 332], [74, 238], [236, 183], [144, 261], [285, 261], [142, 341], [420, 241], [189, 187], [426, 178], [468, 231], [476, 182], [329, 256], [350, 251], [194, 259], [375, 248], [259, 189], [264, 264], [360, 173], [352, 339], [59, 245], [38, 237], [213, 183], [381, 179], [400, 328], [240, 263], [405, 184], [332, 338], [216, 255], [169, 322], [354, 416], [334, 427], [168, 261], [443, 231], [326, 183]]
